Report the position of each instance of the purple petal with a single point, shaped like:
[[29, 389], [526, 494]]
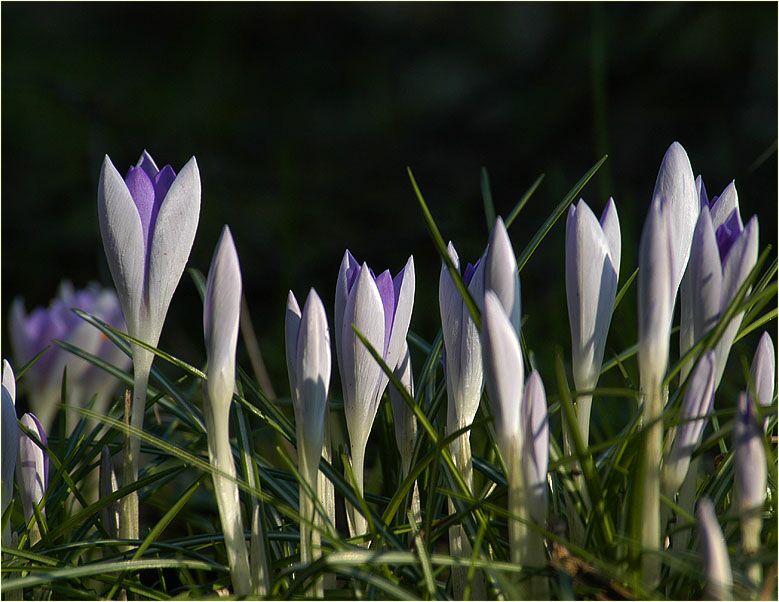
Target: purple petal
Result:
[[162, 183], [470, 270], [141, 190], [387, 293], [728, 233]]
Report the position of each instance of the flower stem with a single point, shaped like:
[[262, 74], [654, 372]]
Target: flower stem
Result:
[[326, 493], [128, 509], [358, 525], [650, 516]]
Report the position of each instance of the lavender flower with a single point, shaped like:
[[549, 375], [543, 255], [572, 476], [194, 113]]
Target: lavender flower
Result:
[[750, 471], [32, 333], [763, 372], [148, 222], [501, 274], [308, 365], [716, 563], [380, 308], [33, 466], [722, 257], [696, 407], [221, 313], [592, 258], [10, 441]]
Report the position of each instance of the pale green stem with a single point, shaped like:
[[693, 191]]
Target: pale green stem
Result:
[[227, 501], [310, 538], [258, 558], [128, 508], [358, 525], [751, 526], [650, 517], [526, 545], [326, 494], [576, 528], [459, 545]]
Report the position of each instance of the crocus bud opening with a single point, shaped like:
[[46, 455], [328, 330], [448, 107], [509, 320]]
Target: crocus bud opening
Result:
[[501, 274]]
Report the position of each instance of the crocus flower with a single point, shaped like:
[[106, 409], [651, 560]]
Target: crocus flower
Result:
[[308, 365], [763, 372], [380, 308], [32, 471], [221, 312], [592, 258], [519, 413], [720, 262], [714, 550], [501, 274], [148, 222], [675, 186], [750, 472], [32, 333], [108, 485], [462, 349], [695, 410], [10, 441]]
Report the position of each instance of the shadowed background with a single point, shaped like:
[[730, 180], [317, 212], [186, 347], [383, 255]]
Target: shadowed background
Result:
[[304, 117]]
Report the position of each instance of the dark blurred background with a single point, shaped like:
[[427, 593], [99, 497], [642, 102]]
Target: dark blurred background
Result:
[[303, 118]]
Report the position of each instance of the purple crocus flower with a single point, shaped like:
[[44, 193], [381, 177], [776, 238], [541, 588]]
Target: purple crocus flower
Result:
[[33, 466], [148, 221], [763, 372], [723, 253], [696, 407], [380, 308], [32, 333]]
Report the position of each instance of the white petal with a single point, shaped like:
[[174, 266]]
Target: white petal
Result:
[[750, 469], [404, 305], [655, 294], [9, 381], [763, 371], [676, 184], [10, 447], [313, 373], [726, 203], [174, 233], [31, 470], [221, 315], [739, 262], [716, 563], [362, 373], [503, 372], [705, 278], [501, 275], [341, 295], [120, 227], [535, 454], [591, 286], [609, 220], [291, 329]]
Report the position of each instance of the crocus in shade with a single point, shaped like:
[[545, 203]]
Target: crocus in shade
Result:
[[721, 259], [763, 372], [675, 186], [147, 221], [107, 485], [501, 274], [380, 308], [221, 311], [32, 333], [32, 471], [750, 471], [696, 407], [720, 209], [714, 552], [308, 365], [592, 258], [10, 441], [519, 413]]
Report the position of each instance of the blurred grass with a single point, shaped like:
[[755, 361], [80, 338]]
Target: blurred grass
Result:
[[303, 119]]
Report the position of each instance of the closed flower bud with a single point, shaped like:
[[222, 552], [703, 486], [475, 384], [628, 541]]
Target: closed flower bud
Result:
[[714, 550]]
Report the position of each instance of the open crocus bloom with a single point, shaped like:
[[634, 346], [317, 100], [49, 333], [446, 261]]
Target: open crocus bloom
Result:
[[148, 221], [380, 308]]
